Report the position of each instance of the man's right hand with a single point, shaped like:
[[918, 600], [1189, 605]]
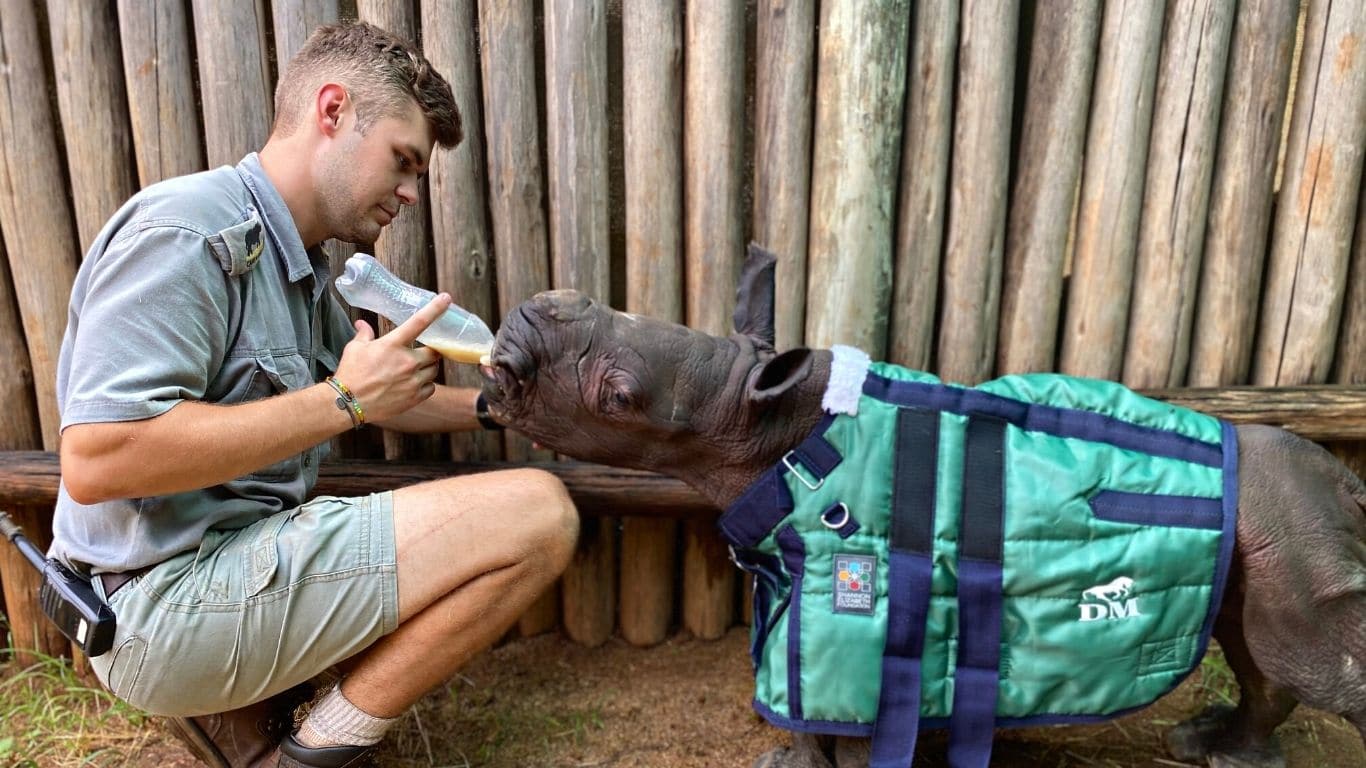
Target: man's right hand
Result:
[[387, 375]]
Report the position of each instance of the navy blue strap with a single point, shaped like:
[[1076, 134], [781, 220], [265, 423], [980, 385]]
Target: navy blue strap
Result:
[[817, 456], [976, 678], [908, 588], [794, 560]]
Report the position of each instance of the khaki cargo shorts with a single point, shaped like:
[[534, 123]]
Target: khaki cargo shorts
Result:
[[255, 610]]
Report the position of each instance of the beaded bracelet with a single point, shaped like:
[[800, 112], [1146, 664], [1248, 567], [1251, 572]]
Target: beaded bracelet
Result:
[[348, 402]]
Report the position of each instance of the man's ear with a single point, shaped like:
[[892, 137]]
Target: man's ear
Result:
[[779, 375], [331, 103], [754, 299]]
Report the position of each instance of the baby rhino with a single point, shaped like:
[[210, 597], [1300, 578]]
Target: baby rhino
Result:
[[1037, 549]]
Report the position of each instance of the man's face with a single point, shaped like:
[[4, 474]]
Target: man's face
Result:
[[365, 179]]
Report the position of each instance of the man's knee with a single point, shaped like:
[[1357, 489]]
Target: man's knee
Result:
[[554, 521]]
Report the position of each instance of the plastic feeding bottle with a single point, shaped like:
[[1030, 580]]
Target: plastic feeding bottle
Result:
[[457, 334]]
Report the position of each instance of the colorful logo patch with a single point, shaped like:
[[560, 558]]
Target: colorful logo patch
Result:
[[855, 576]]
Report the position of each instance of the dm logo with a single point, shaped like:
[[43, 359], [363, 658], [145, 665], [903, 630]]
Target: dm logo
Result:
[[1109, 601]]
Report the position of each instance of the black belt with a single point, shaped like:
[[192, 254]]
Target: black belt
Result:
[[113, 582]]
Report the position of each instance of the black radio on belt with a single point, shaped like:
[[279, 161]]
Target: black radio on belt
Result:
[[66, 596]]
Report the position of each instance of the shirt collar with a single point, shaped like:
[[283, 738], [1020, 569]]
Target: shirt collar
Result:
[[277, 218]]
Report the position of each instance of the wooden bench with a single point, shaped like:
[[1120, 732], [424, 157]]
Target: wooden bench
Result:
[[29, 479]]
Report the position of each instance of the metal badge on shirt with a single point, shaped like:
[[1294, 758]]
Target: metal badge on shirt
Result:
[[854, 577]]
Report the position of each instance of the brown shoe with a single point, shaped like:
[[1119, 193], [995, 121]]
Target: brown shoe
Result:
[[245, 737], [292, 754]]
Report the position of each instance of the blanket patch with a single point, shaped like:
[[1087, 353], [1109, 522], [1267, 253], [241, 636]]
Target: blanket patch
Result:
[[854, 577]]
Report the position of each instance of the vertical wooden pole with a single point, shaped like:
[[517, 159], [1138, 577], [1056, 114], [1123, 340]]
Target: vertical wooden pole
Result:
[[652, 59], [91, 98], [713, 243], [576, 128], [159, 73], [1176, 193], [39, 228], [1240, 201], [515, 172], [1350, 362], [516, 195], [1311, 242], [1062, 63], [456, 184], [860, 92], [927, 136], [295, 20], [784, 74], [234, 78], [977, 191], [403, 246], [40, 245], [1111, 191], [19, 431]]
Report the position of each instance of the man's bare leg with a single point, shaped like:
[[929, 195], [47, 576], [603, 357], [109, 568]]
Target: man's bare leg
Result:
[[473, 553]]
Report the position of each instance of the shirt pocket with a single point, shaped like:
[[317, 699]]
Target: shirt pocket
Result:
[[277, 373]]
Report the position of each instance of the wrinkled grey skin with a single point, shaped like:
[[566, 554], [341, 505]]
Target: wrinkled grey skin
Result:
[[604, 386]]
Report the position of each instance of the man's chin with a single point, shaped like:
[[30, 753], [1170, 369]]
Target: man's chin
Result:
[[360, 239]]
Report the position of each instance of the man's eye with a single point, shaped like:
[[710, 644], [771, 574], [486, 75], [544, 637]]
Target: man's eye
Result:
[[402, 162]]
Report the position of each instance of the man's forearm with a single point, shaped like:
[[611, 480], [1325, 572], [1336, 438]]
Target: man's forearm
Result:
[[195, 445], [449, 409]]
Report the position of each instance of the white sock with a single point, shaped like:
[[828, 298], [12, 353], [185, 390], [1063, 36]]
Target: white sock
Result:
[[335, 722]]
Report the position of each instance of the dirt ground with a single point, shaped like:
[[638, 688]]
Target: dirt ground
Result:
[[547, 703]]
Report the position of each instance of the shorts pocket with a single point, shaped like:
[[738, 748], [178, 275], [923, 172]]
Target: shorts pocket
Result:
[[261, 556], [125, 668]]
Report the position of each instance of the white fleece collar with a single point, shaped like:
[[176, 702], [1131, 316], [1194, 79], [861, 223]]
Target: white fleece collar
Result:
[[847, 372]]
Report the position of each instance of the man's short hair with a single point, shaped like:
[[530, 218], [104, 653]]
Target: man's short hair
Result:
[[380, 71]]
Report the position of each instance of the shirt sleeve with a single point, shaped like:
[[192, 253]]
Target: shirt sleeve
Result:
[[150, 330]]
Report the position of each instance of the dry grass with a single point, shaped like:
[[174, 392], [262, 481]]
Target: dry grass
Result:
[[53, 718]]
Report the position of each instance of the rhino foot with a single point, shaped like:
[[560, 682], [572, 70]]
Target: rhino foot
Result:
[[1211, 738]]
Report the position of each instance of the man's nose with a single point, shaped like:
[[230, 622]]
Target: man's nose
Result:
[[407, 192]]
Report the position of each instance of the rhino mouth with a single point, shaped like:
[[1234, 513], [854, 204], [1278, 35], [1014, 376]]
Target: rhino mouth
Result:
[[511, 366]]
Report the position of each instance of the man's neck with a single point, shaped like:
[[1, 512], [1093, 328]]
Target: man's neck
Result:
[[280, 161]]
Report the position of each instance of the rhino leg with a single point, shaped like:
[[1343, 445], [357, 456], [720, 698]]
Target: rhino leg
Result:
[[852, 752], [1243, 737], [806, 752]]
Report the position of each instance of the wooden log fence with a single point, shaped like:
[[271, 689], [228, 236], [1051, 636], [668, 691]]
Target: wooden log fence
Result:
[[964, 187]]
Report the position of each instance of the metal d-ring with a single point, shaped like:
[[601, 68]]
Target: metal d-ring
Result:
[[787, 462], [825, 516]]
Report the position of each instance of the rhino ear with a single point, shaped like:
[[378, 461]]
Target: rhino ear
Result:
[[754, 299], [779, 375]]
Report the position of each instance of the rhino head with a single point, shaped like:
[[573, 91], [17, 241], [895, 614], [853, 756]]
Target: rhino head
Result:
[[620, 389]]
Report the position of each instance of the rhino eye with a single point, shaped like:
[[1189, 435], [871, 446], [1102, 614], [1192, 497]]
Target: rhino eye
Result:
[[618, 394]]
